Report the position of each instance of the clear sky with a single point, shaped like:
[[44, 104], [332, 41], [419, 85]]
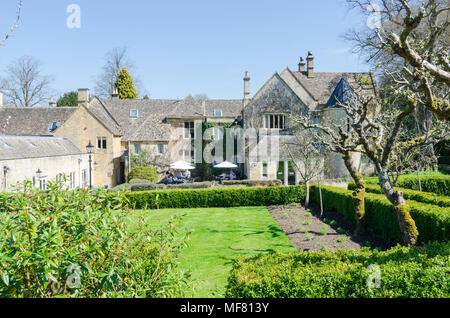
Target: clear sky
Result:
[[182, 47]]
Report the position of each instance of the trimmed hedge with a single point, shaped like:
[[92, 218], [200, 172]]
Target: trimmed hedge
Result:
[[216, 197], [157, 186], [145, 173], [439, 184], [425, 197], [252, 183], [404, 272], [432, 221]]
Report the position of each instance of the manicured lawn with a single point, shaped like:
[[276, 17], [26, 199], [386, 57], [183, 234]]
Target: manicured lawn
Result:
[[218, 236]]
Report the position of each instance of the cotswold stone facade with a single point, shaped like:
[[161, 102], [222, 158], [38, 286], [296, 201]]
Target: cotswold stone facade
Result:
[[121, 129]]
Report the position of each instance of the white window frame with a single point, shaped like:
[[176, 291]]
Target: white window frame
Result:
[[188, 130], [134, 113], [103, 143], [161, 149], [265, 175], [137, 149], [279, 121], [218, 113]]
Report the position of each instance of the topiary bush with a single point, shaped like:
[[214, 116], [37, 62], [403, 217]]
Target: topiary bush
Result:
[[408, 272], [216, 197], [80, 244], [425, 197], [432, 221], [144, 173]]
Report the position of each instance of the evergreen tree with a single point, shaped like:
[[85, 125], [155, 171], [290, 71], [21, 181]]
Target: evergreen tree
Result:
[[124, 85], [68, 99]]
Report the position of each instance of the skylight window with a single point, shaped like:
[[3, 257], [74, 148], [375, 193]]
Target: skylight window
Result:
[[217, 112], [6, 145], [134, 113]]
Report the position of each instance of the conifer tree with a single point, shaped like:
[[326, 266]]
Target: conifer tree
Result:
[[125, 86]]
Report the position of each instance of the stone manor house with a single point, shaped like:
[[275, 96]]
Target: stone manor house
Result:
[[165, 129]]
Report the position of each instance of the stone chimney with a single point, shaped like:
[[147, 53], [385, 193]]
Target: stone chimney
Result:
[[115, 94], [246, 89], [310, 60], [52, 102], [83, 96], [301, 65]]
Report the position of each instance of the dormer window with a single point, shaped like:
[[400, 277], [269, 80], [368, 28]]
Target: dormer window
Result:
[[217, 113], [134, 113]]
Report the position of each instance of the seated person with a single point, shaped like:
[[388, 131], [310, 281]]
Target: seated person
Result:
[[232, 175], [187, 174], [178, 174]]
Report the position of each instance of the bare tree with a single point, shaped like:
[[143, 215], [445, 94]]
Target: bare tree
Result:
[[14, 26], [24, 85], [115, 61], [307, 155], [412, 42]]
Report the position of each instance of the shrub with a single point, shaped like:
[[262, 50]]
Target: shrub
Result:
[[77, 244], [405, 272], [439, 184], [252, 183], [425, 197], [217, 197], [145, 173], [138, 181], [432, 221], [155, 186]]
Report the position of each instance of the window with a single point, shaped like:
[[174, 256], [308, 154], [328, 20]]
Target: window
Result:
[[160, 149], [134, 113], [218, 133], [101, 143], [265, 170], [274, 121], [189, 131], [217, 112], [72, 180], [84, 182], [42, 184], [137, 149], [189, 155]]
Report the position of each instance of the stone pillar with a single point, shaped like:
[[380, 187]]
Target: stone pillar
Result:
[[286, 173]]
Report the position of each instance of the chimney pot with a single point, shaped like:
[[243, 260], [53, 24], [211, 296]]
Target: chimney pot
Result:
[[301, 65], [1, 98], [83, 96], [115, 94], [52, 102], [310, 60], [246, 88]]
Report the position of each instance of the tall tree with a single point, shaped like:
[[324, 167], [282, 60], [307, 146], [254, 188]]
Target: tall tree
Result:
[[410, 39], [115, 61], [125, 86], [24, 84], [68, 99]]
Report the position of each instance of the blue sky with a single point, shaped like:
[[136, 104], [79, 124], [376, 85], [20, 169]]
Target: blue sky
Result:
[[182, 46]]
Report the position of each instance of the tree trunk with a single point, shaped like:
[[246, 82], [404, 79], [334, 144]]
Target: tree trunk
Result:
[[307, 195], [358, 194], [321, 202], [407, 225]]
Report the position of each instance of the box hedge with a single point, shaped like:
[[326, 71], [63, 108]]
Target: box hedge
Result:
[[144, 173], [251, 183], [216, 197], [425, 197], [439, 184], [411, 272], [433, 222]]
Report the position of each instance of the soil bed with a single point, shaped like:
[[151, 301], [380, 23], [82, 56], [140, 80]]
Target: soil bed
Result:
[[309, 232]]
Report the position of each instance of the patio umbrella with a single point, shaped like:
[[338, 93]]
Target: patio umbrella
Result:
[[226, 165], [181, 165]]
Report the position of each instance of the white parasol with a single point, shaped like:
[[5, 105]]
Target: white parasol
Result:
[[181, 165]]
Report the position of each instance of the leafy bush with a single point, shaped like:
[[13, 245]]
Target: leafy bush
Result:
[[138, 181], [77, 244], [432, 221], [145, 173], [404, 272], [216, 197], [252, 183], [435, 183], [425, 197]]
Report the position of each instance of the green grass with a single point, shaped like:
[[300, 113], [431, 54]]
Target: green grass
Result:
[[218, 236]]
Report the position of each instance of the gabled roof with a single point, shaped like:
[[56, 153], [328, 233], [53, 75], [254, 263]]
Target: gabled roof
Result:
[[150, 125], [322, 85], [99, 111], [25, 147], [32, 121], [342, 94]]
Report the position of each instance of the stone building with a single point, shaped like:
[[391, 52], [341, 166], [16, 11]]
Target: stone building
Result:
[[39, 160]]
